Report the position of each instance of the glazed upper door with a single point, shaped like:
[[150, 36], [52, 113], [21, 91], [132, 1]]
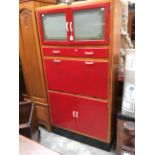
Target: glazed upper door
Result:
[[75, 24], [53, 25], [90, 23]]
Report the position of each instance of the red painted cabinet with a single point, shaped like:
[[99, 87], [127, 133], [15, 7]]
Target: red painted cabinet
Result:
[[89, 78], [75, 24], [85, 116], [80, 45]]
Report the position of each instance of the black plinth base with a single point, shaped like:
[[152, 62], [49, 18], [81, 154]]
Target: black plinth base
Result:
[[81, 138]]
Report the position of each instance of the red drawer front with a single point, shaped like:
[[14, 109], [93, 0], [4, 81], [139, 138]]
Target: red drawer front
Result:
[[77, 52], [82, 115], [89, 78]]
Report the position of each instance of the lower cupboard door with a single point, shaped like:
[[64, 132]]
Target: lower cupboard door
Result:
[[92, 118], [63, 111]]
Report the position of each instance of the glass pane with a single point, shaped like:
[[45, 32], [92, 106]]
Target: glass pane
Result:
[[89, 24], [54, 26]]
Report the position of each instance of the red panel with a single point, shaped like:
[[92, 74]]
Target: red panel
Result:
[[88, 78], [93, 118], [62, 108], [106, 39], [77, 52], [52, 11]]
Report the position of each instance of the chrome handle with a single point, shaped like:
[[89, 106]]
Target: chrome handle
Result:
[[56, 51], [71, 28], [57, 61], [67, 27], [89, 62], [77, 114], [89, 53], [73, 114]]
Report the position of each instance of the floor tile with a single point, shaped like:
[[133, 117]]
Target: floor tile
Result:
[[67, 146]]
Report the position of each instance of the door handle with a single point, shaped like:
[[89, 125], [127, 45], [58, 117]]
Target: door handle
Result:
[[73, 114], [55, 51], [67, 27], [57, 61], [71, 28], [89, 53], [89, 62], [77, 114]]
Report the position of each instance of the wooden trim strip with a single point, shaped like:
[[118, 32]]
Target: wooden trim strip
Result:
[[81, 96], [76, 46], [77, 59]]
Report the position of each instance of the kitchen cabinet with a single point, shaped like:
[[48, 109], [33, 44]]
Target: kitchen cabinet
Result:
[[80, 52]]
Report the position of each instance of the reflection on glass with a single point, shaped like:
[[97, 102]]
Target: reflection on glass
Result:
[[54, 26], [89, 24]]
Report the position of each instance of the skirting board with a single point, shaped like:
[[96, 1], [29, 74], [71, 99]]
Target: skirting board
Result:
[[81, 138]]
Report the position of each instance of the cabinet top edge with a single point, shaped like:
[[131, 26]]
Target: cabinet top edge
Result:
[[43, 1], [79, 3]]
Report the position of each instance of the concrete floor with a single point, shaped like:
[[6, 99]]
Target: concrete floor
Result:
[[67, 146]]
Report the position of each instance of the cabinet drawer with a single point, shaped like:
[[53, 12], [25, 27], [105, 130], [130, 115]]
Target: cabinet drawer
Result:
[[85, 116], [91, 52], [56, 51], [77, 52], [89, 78]]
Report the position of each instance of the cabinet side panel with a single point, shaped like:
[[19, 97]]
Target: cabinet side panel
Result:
[[114, 59]]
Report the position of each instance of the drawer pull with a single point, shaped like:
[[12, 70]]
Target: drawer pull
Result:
[[89, 62], [56, 51], [89, 53], [57, 61], [73, 114]]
